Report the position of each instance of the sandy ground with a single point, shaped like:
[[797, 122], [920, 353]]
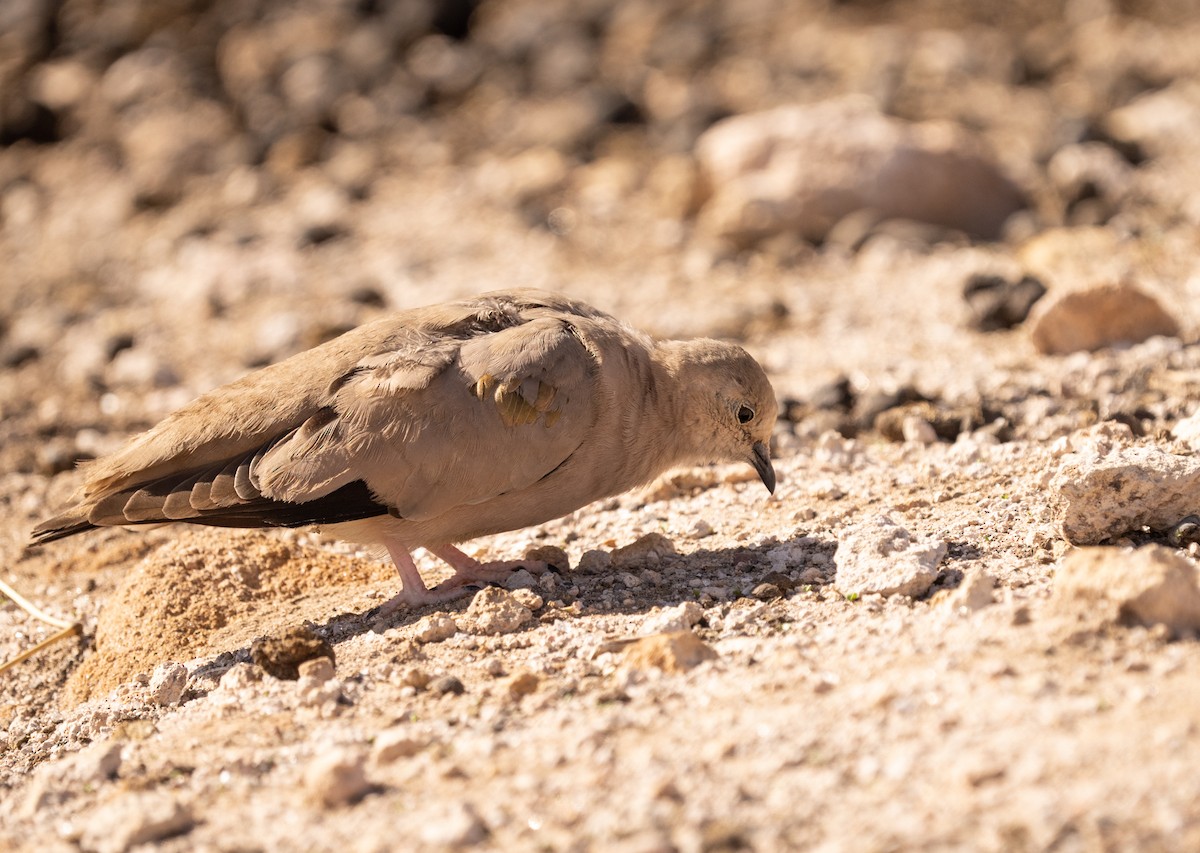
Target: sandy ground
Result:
[[707, 668]]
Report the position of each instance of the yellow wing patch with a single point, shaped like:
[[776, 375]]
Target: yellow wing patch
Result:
[[515, 407]]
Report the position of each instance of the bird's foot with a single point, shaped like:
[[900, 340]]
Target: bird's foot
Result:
[[419, 597], [468, 571]]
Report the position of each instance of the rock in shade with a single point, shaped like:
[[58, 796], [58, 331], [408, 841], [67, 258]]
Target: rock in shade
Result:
[[880, 556], [996, 303], [281, 656], [447, 685], [551, 555], [1095, 317], [678, 651], [1154, 585], [1106, 496], [801, 169], [645, 551]]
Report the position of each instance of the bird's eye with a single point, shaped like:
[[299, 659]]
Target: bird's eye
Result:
[[745, 414]]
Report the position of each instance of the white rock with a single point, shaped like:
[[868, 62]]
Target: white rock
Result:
[[975, 591], [678, 618], [134, 819], [239, 676], [1161, 121], [1104, 497], [801, 169], [880, 556], [458, 825], [58, 781], [1147, 586], [316, 671], [1188, 430], [168, 682], [528, 598], [396, 743], [435, 628], [495, 611], [916, 429], [337, 777]]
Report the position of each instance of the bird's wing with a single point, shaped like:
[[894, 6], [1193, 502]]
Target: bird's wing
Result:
[[506, 409], [431, 408]]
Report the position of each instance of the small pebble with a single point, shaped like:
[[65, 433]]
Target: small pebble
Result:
[[674, 652], [522, 684], [447, 684], [415, 677]]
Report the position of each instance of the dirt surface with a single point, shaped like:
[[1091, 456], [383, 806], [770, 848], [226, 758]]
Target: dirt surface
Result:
[[899, 649]]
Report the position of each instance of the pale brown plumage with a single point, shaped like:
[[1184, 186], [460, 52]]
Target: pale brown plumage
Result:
[[437, 425]]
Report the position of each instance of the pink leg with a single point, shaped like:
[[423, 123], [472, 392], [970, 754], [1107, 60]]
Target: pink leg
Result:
[[468, 570], [413, 592]]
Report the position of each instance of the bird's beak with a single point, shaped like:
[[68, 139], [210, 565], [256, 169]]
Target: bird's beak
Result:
[[762, 464]]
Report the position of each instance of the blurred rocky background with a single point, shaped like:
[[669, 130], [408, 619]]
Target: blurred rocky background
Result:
[[963, 237], [192, 188]]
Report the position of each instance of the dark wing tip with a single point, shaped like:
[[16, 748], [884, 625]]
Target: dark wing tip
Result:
[[59, 527]]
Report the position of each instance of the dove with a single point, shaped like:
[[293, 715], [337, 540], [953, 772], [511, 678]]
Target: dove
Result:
[[430, 427]]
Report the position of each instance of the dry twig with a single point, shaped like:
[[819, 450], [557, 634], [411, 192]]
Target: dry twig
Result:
[[66, 628]]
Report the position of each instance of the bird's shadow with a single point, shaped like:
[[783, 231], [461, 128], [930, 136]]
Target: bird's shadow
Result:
[[762, 571], [632, 587]]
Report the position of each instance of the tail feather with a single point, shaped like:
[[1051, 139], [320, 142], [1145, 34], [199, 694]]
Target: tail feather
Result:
[[60, 527]]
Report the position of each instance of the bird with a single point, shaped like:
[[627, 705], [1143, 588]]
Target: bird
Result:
[[429, 427]]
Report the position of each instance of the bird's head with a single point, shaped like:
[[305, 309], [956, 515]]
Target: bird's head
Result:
[[729, 406]]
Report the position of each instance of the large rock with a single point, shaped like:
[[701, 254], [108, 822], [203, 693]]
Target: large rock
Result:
[[880, 556], [802, 168], [1149, 586], [1095, 317], [1105, 497]]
